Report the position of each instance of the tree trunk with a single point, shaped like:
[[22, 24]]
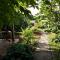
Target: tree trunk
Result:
[[13, 34]]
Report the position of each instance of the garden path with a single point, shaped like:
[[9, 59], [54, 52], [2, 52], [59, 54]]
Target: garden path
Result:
[[42, 49]]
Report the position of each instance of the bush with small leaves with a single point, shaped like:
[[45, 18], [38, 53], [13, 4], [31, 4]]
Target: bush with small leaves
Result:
[[19, 52]]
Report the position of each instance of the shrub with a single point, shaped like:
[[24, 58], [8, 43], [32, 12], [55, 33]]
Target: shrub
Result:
[[28, 36], [19, 52]]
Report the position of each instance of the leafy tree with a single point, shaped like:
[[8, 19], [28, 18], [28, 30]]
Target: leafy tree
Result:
[[50, 11], [14, 10]]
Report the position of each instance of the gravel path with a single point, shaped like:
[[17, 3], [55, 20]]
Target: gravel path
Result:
[[42, 50]]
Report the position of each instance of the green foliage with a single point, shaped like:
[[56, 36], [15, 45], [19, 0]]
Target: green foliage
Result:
[[14, 10], [52, 36], [19, 52], [49, 9], [57, 39], [54, 43], [27, 32], [28, 36], [55, 46], [20, 24], [56, 49]]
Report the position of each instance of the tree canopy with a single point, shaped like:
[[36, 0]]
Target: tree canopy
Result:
[[12, 11], [50, 11]]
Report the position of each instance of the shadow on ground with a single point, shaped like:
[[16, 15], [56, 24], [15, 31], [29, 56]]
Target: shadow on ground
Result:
[[43, 55], [45, 52]]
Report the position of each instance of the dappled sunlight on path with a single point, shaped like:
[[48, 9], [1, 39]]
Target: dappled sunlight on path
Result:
[[42, 49], [43, 42]]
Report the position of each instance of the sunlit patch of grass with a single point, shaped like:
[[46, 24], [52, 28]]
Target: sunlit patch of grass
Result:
[[51, 36], [54, 45]]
